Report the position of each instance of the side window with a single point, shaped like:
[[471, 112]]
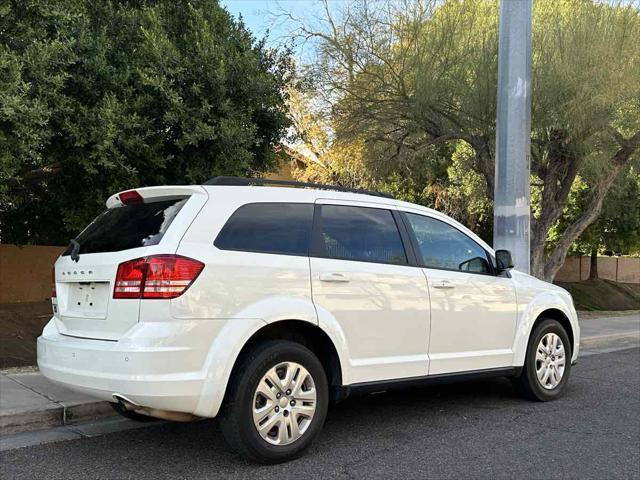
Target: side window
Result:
[[443, 246], [283, 228], [359, 233]]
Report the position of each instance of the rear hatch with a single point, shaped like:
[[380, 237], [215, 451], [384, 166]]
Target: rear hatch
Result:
[[136, 224]]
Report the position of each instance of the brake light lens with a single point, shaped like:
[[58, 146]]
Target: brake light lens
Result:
[[130, 196], [53, 283], [130, 278], [157, 276], [168, 276]]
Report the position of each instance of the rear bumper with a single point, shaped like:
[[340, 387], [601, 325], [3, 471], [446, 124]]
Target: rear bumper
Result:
[[153, 365]]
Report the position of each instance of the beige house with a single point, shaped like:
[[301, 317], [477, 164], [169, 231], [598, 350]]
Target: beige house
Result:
[[290, 159]]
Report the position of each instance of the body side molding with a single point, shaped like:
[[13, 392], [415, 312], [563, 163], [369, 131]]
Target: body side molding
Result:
[[341, 393]]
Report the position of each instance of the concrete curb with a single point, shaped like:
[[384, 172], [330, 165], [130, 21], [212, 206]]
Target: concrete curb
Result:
[[607, 340], [31, 402], [55, 415]]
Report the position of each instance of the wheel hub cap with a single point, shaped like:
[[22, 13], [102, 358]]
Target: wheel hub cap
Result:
[[550, 361], [284, 403]]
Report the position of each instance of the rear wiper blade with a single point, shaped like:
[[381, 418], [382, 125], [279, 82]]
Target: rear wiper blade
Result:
[[75, 250]]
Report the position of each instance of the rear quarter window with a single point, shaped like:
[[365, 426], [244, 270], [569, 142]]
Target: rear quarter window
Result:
[[281, 228], [129, 226]]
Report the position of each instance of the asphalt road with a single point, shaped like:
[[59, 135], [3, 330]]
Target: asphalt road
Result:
[[474, 430]]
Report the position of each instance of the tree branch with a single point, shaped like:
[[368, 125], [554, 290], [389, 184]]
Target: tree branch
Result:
[[619, 160], [34, 175]]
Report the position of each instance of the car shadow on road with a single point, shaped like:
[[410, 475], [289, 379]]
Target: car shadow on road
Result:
[[370, 420], [359, 432]]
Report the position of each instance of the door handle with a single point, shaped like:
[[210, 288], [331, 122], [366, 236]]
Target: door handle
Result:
[[333, 277], [443, 284]]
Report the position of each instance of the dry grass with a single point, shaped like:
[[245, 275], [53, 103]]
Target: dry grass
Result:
[[20, 325], [604, 295]]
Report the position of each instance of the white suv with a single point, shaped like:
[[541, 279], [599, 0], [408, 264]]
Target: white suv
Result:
[[262, 305]]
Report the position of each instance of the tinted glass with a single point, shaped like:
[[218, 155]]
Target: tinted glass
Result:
[[443, 246], [130, 226], [358, 233], [268, 228]]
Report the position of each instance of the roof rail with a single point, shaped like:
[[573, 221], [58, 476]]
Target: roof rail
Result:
[[242, 181]]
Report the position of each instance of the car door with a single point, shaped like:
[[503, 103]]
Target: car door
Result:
[[362, 280], [473, 311]]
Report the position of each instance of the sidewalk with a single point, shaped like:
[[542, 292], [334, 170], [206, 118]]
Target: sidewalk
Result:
[[28, 401], [606, 332]]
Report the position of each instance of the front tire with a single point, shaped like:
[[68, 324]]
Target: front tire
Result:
[[548, 363], [276, 403]]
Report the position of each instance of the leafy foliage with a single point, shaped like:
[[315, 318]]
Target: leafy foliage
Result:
[[415, 78], [97, 97], [617, 230]]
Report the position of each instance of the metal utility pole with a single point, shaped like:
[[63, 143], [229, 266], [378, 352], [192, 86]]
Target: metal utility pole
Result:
[[511, 221]]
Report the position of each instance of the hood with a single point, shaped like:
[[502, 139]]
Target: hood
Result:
[[533, 282]]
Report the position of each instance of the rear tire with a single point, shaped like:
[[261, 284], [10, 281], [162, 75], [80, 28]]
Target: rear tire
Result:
[[547, 365], [275, 384]]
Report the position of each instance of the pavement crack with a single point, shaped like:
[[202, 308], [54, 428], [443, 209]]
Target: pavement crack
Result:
[[35, 391]]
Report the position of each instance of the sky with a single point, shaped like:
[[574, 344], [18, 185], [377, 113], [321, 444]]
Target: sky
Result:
[[261, 16]]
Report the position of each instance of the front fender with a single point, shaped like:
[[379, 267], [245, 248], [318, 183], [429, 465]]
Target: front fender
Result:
[[531, 311]]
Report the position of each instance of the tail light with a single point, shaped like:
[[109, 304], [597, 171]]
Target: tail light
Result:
[[168, 276], [157, 276], [53, 283], [130, 279]]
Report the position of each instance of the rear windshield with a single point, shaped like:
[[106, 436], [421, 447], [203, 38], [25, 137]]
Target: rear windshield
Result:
[[130, 226]]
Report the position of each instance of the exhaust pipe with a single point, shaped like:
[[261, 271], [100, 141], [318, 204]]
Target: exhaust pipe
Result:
[[155, 412]]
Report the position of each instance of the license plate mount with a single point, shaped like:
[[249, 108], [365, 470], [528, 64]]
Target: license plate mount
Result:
[[88, 299]]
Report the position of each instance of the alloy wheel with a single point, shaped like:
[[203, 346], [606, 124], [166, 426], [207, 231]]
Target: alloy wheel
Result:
[[550, 361], [284, 403]]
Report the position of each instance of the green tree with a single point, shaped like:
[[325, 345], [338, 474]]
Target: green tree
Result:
[[617, 229], [409, 75], [97, 97]]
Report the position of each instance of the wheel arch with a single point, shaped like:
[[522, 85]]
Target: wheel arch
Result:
[[561, 318], [545, 305], [304, 333]]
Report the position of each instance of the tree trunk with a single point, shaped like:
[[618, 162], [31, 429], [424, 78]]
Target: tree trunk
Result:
[[593, 267], [572, 232], [557, 257], [557, 176]]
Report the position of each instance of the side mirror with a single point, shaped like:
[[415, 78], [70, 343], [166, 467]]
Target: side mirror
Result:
[[503, 260], [476, 265]]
